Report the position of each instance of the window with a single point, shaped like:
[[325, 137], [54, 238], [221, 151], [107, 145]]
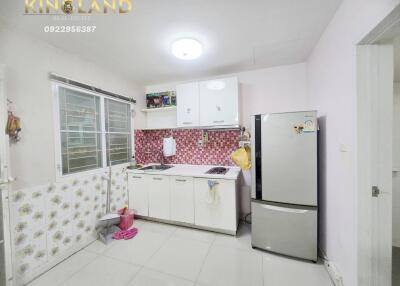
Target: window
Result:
[[118, 132], [95, 131]]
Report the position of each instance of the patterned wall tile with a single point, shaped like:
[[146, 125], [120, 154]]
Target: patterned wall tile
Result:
[[29, 225], [48, 220], [217, 151]]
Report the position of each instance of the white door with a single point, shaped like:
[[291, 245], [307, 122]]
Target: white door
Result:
[[219, 102], [138, 194], [159, 197], [187, 104], [182, 199], [5, 180], [215, 208], [375, 105]]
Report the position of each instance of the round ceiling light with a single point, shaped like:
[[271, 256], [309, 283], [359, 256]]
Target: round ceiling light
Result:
[[187, 49]]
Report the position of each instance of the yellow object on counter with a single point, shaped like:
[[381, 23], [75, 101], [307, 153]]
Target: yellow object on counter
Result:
[[242, 158]]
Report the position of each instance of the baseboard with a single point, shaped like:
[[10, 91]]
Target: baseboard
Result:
[[332, 270], [52, 263]]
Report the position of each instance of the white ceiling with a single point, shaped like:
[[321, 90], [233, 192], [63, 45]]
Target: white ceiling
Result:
[[238, 35]]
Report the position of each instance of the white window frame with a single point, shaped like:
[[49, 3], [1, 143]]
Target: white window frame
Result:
[[57, 131]]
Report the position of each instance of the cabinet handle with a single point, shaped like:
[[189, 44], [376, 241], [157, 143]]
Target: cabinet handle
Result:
[[186, 123], [136, 177], [157, 179], [180, 180], [188, 110], [218, 121]]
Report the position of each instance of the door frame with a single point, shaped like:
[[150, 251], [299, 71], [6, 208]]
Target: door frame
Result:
[[5, 166], [373, 267], [374, 160]]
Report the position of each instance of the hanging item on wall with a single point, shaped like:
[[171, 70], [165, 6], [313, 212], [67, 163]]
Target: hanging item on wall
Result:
[[13, 127], [169, 147], [161, 99], [242, 158]]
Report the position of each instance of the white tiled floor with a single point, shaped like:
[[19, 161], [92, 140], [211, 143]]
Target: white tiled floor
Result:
[[164, 255]]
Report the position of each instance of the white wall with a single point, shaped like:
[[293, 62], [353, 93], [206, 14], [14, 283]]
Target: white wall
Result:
[[333, 92], [276, 89], [28, 62], [396, 165]]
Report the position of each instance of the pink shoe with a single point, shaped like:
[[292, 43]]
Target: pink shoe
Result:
[[118, 235], [130, 233]]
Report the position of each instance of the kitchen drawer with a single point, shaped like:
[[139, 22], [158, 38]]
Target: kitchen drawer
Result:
[[285, 229]]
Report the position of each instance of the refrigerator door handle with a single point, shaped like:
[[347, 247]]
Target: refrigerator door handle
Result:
[[286, 210]]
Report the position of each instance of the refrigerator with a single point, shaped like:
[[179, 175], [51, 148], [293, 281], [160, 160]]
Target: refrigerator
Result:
[[284, 193]]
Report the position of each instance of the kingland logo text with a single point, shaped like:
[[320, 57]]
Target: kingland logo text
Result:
[[52, 7]]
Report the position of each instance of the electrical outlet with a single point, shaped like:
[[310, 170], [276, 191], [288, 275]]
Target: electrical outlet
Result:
[[337, 279]]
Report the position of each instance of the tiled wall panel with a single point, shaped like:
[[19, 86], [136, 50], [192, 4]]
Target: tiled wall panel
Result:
[[148, 146], [49, 220]]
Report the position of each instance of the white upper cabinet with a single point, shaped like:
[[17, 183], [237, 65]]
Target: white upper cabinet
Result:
[[219, 102], [187, 97]]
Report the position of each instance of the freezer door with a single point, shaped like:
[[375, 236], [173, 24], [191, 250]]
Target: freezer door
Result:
[[289, 158], [285, 229]]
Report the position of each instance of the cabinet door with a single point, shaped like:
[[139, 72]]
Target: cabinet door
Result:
[[219, 102], [215, 210], [187, 104], [138, 195], [159, 197], [182, 199]]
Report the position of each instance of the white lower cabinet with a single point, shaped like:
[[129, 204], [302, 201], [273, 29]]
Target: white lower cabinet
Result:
[[159, 196], [187, 200], [215, 207], [182, 199], [138, 195]]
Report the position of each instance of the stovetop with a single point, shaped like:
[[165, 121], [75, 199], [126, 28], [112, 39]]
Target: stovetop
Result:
[[218, 171]]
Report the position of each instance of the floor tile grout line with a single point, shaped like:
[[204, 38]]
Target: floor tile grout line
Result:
[[81, 269], [134, 276], [159, 248], [74, 272], [262, 269], [204, 261], [122, 261], [169, 274], [168, 236], [99, 257]]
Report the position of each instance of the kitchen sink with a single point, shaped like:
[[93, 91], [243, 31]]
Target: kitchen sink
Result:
[[156, 168]]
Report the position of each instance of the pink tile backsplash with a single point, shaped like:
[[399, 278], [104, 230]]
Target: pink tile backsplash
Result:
[[217, 151]]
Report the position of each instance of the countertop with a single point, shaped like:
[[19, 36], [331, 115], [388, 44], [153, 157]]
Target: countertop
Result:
[[197, 171]]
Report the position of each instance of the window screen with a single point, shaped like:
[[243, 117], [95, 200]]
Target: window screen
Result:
[[80, 128], [118, 131]]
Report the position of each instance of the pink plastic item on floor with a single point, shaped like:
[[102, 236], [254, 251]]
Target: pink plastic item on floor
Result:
[[125, 234], [126, 219]]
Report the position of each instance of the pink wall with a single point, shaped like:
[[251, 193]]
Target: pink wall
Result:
[[217, 151]]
